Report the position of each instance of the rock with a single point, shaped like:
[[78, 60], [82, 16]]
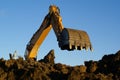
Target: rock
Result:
[[49, 58], [65, 69], [80, 69], [91, 66], [108, 68]]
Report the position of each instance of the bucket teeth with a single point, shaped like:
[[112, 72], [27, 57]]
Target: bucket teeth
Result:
[[76, 47], [70, 46], [91, 49], [81, 48], [86, 48]]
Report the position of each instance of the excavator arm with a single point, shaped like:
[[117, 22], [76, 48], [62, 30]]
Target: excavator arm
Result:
[[68, 39], [37, 39]]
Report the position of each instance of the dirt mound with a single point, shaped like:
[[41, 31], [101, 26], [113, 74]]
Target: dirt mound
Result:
[[108, 68]]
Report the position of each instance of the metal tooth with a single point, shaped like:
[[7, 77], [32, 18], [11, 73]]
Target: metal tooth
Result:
[[80, 47], [76, 47], [86, 48], [70, 46], [91, 49]]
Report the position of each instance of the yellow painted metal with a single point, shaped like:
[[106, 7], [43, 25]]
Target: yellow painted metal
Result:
[[34, 50], [68, 39]]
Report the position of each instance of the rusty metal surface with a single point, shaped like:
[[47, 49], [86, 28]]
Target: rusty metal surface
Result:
[[71, 39]]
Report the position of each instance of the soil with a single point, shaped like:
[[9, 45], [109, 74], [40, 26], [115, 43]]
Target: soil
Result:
[[108, 68]]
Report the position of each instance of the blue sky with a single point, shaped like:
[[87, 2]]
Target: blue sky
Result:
[[19, 19]]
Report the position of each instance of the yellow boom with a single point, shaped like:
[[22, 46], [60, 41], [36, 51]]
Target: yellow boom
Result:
[[68, 39]]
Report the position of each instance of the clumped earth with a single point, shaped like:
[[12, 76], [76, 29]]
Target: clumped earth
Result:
[[108, 68]]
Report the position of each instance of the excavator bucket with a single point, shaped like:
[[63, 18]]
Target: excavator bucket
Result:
[[71, 39]]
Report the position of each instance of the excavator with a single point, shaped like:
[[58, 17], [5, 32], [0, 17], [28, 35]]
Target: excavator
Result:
[[68, 39]]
